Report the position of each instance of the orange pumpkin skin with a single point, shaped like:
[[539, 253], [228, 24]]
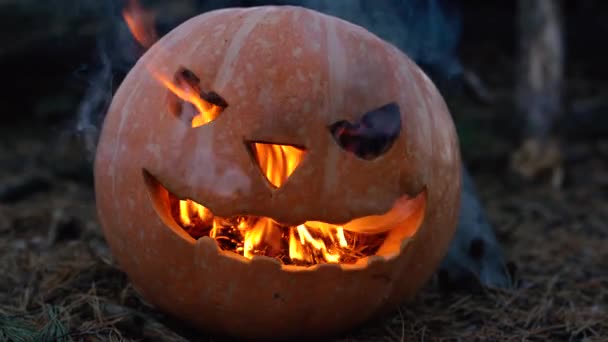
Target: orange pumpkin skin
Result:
[[286, 73]]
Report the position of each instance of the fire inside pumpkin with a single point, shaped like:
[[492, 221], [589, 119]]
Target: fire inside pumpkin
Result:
[[310, 243], [150, 162], [306, 244]]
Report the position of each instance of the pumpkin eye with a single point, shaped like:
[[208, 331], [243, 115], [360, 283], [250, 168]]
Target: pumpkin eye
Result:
[[276, 162], [191, 104], [371, 136]]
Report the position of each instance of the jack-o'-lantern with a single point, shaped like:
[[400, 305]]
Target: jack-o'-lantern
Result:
[[274, 172]]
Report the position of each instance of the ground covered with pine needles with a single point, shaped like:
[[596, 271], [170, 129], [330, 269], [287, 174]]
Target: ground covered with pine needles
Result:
[[59, 282]]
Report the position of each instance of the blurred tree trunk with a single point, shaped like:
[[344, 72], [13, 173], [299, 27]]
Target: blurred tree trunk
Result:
[[539, 88]]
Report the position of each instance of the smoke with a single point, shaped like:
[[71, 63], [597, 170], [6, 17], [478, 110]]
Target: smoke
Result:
[[427, 30], [97, 100], [116, 53]]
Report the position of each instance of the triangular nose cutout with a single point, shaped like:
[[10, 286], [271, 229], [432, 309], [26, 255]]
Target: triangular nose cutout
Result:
[[277, 162]]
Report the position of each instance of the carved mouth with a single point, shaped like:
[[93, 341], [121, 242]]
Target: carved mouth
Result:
[[310, 243]]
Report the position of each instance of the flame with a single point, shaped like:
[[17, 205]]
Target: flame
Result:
[[277, 162], [184, 212], [253, 238], [296, 251], [189, 209], [310, 243], [140, 23], [318, 244], [205, 111]]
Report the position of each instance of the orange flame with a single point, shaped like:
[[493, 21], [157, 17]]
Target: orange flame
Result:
[[312, 242], [140, 23], [277, 162], [205, 111], [305, 243]]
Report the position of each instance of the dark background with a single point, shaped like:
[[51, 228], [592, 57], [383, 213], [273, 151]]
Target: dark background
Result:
[[58, 275], [48, 49]]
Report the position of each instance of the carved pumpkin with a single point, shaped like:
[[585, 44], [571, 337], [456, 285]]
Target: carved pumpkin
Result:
[[274, 171]]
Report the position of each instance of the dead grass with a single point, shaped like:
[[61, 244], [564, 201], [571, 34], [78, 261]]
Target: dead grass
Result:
[[59, 283]]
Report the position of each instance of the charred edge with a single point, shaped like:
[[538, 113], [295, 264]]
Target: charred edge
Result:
[[373, 135], [214, 98], [186, 79], [192, 81], [186, 75], [174, 104]]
